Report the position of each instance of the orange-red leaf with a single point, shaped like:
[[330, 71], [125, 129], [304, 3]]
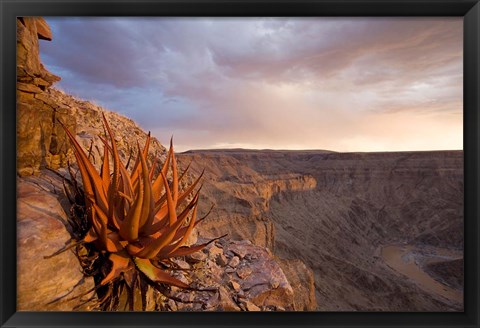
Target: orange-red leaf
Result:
[[187, 250], [190, 189], [146, 216], [158, 183], [164, 221], [157, 275], [112, 195], [184, 234], [152, 250], [105, 169], [175, 175], [136, 166], [129, 226], [172, 216], [120, 262], [92, 181]]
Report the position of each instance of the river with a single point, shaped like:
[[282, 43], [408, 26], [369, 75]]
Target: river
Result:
[[405, 260]]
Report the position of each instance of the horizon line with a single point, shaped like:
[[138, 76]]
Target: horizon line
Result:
[[312, 150]]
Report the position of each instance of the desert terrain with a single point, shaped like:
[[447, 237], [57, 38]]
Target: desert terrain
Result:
[[381, 231], [339, 231]]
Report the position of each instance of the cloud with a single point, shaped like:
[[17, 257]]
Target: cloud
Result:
[[270, 82]]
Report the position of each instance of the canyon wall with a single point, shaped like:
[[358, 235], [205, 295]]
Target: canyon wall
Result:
[[335, 211]]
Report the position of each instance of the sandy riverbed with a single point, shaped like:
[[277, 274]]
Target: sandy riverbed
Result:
[[406, 260]]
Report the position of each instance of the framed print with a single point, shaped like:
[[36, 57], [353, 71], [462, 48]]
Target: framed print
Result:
[[307, 163]]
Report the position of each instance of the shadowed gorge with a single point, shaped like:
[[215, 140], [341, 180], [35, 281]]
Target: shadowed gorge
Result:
[[284, 230], [337, 211]]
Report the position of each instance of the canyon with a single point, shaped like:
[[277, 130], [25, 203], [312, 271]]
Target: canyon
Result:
[[336, 231], [339, 212]]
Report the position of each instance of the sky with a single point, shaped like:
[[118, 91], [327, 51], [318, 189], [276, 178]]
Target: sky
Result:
[[342, 84]]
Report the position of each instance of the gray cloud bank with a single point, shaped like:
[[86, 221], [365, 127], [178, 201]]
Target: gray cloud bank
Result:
[[345, 84]]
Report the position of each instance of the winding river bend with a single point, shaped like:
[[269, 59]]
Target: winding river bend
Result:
[[406, 260]]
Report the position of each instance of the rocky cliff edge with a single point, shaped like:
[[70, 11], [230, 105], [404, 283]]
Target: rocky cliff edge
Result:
[[239, 274]]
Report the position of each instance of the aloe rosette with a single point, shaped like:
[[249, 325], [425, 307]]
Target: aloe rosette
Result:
[[138, 220]]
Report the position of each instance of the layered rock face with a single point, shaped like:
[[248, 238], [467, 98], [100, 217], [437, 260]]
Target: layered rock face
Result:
[[241, 194], [41, 141], [340, 213], [37, 133]]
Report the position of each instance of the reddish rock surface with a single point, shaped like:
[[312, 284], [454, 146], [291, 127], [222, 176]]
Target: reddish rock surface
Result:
[[43, 30], [248, 279], [302, 280], [45, 284], [29, 67]]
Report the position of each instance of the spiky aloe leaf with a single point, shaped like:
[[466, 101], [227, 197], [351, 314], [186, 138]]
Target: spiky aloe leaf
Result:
[[158, 184], [92, 181], [120, 263], [175, 176], [116, 158], [157, 275], [181, 233], [136, 167], [105, 168], [172, 216], [164, 222], [146, 216], [112, 191], [187, 250], [103, 233], [160, 219], [129, 227], [152, 168], [164, 239]]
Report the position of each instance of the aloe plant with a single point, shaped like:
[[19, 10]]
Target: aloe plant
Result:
[[136, 220]]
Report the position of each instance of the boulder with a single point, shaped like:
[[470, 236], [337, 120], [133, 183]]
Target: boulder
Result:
[[45, 284], [255, 283]]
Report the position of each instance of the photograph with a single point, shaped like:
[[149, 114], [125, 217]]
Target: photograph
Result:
[[273, 164]]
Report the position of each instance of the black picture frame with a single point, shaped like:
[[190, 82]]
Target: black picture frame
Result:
[[10, 9]]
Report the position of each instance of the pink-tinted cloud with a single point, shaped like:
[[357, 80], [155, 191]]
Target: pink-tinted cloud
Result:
[[330, 83]]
